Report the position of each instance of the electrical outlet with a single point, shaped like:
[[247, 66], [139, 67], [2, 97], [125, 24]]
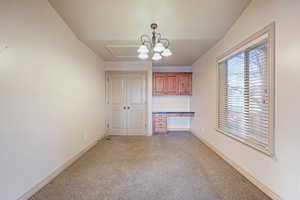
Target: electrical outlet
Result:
[[202, 129]]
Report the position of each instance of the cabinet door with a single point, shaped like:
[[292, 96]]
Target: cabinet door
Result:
[[160, 84], [172, 84], [185, 84]]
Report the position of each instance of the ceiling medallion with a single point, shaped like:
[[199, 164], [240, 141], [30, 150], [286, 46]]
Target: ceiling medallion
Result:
[[158, 47]]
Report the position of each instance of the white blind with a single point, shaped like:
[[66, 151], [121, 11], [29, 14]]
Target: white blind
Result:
[[244, 96]]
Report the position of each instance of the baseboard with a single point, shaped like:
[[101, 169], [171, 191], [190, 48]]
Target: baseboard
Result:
[[56, 172], [251, 178], [179, 129]]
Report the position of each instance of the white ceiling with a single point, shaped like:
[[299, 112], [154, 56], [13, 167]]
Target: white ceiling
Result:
[[112, 28]]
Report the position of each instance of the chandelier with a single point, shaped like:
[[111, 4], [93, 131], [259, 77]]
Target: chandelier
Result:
[[157, 47]]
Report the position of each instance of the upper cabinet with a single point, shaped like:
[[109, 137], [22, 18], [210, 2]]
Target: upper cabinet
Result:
[[172, 83], [159, 84], [185, 84]]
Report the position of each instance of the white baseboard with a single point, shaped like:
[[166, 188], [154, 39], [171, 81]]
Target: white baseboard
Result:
[[251, 178], [56, 172], [179, 129]]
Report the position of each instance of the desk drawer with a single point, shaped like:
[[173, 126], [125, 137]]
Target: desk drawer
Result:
[[160, 130], [159, 116], [159, 123]]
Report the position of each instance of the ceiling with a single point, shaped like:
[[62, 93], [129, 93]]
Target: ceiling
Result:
[[111, 28]]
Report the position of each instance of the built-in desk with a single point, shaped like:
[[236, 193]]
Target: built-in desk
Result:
[[160, 120]]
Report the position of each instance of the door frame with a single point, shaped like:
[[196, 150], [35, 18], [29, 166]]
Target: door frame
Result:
[[148, 111]]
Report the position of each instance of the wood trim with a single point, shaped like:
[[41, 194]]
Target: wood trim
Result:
[[271, 42], [270, 30], [246, 142], [56, 172], [268, 191]]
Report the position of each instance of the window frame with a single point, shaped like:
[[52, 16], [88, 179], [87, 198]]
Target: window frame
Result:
[[242, 47]]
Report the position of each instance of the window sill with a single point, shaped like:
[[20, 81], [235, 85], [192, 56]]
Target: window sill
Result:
[[267, 151]]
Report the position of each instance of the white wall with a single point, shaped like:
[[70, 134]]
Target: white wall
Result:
[[137, 66], [171, 103], [174, 104], [52, 95], [281, 173]]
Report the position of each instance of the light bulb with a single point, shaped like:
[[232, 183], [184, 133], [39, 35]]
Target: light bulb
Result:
[[167, 52], [156, 56], [159, 47], [143, 49], [143, 56]]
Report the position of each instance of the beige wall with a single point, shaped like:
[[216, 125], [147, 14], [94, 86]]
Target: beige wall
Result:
[[52, 95], [281, 173]]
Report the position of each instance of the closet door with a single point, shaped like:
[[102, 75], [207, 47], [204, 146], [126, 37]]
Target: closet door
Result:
[[136, 103], [127, 103], [117, 102]]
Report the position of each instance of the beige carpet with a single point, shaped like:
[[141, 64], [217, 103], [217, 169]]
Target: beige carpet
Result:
[[163, 167]]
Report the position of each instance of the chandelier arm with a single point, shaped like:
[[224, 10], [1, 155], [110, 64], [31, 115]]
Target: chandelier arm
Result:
[[148, 44], [158, 37], [166, 41], [151, 41], [145, 38]]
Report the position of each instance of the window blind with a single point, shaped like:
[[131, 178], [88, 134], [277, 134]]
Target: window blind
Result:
[[244, 109]]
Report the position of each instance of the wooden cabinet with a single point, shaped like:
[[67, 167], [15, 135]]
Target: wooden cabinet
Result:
[[159, 84], [185, 84], [160, 124], [171, 83]]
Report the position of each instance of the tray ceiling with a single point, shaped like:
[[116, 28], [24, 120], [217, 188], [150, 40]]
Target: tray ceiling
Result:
[[111, 28]]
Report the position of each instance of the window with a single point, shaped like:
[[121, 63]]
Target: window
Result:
[[245, 92]]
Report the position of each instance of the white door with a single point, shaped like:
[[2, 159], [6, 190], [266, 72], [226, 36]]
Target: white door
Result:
[[127, 101], [136, 104], [117, 114]]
